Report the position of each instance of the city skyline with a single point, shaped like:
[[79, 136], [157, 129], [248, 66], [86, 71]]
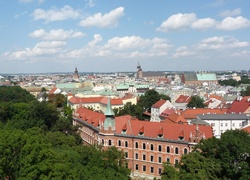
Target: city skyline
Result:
[[40, 36]]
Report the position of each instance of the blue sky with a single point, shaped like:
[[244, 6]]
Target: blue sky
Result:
[[39, 36]]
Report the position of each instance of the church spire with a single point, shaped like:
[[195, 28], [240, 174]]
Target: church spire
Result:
[[109, 122]]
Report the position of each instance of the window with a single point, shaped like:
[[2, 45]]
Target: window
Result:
[[137, 167], [136, 155], [226, 124], [144, 168], [110, 142], [159, 159], [185, 151], [159, 148], [152, 158], [119, 143], [144, 145], [144, 157], [168, 159], [221, 124], [159, 171], [152, 147], [136, 145], [102, 141], [176, 161], [176, 150], [168, 149], [233, 124], [152, 169], [126, 143]]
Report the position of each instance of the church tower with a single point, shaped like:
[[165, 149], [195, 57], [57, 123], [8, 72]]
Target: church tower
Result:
[[76, 75], [109, 122], [139, 71]]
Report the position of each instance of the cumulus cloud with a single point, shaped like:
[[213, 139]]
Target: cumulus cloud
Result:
[[55, 14], [40, 49], [203, 24], [56, 34], [177, 21], [183, 51], [230, 13], [184, 21], [231, 23], [224, 42], [97, 39], [110, 19]]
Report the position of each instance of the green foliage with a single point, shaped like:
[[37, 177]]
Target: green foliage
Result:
[[148, 99], [15, 94], [169, 172], [245, 92], [232, 82], [196, 101], [58, 100]]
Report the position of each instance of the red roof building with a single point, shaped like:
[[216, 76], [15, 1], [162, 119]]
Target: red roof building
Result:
[[146, 144], [240, 105]]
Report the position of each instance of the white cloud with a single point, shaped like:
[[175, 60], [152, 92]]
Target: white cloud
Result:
[[234, 12], [55, 14], [56, 34], [221, 43], [231, 23], [40, 49], [110, 19], [177, 21], [183, 51], [90, 3], [97, 39], [203, 24]]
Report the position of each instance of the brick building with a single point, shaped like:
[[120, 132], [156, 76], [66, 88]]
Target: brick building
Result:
[[146, 144]]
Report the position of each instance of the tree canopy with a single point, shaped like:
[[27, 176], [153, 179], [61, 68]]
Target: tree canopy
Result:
[[197, 102]]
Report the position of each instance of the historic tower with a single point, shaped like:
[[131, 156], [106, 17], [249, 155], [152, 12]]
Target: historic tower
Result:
[[76, 75], [139, 71]]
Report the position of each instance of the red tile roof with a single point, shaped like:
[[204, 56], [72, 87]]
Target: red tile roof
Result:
[[116, 101], [78, 100], [159, 103], [176, 118], [152, 129], [246, 128], [89, 116], [192, 113], [239, 105], [167, 112], [52, 91], [183, 99]]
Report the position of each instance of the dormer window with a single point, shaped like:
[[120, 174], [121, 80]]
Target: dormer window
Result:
[[160, 133], [141, 131], [181, 135], [124, 129]]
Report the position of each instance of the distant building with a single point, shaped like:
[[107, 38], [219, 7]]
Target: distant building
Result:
[[199, 79], [139, 71], [149, 75]]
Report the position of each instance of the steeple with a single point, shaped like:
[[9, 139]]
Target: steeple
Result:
[[76, 75], [109, 122]]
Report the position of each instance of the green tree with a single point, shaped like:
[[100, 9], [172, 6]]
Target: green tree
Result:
[[245, 92], [196, 166], [169, 172], [150, 98], [197, 102]]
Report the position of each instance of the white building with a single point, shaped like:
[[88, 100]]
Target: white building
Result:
[[223, 122]]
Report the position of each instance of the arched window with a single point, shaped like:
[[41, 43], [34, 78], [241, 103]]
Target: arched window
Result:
[[159, 148], [126, 143], [102, 141], [110, 142], [168, 149], [185, 151], [152, 147], [176, 150], [144, 145], [119, 143], [136, 145]]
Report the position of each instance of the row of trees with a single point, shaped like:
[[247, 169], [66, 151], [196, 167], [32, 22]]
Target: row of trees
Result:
[[38, 141], [224, 158], [232, 82]]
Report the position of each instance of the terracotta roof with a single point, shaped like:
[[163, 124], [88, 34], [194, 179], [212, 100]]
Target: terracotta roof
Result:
[[176, 118], [52, 90], [159, 103], [128, 96], [78, 100], [239, 105], [170, 131], [183, 99], [116, 101], [192, 113], [89, 116], [167, 112]]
